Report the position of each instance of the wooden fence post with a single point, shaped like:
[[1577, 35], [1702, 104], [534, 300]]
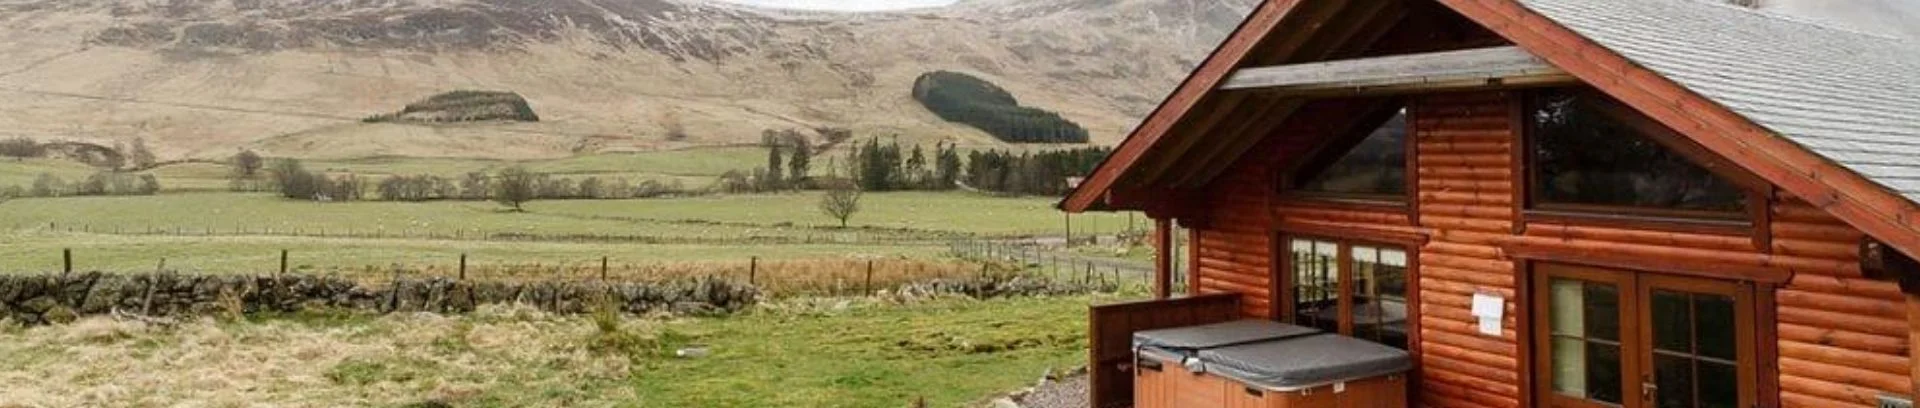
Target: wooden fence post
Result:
[[283, 264], [869, 277], [463, 266], [753, 271], [66, 261], [603, 269]]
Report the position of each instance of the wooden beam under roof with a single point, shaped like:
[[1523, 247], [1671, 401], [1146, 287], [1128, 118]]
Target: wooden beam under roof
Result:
[[1301, 26], [1367, 27], [1479, 68]]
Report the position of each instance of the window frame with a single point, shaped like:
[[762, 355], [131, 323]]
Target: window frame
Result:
[[1289, 179], [1531, 207], [1284, 287]]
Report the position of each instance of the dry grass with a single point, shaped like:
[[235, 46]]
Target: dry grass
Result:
[[501, 356], [806, 352]]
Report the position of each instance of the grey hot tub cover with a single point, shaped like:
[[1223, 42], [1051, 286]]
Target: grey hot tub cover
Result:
[[1193, 338], [1306, 361]]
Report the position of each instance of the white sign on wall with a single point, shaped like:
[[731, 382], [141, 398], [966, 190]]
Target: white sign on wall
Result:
[[1489, 309]]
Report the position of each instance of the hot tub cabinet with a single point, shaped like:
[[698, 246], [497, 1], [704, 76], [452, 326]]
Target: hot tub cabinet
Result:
[[1287, 367], [1545, 203]]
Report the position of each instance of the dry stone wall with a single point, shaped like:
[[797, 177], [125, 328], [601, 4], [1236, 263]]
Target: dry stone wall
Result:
[[55, 298]]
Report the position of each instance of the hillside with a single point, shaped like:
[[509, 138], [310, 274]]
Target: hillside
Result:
[[294, 77]]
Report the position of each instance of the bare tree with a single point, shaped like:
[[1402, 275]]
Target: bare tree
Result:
[[841, 201], [247, 164], [515, 186]]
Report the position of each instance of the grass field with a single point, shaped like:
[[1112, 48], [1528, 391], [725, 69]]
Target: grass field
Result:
[[741, 216], [22, 172], [860, 353]]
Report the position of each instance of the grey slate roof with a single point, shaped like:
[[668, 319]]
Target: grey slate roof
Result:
[[1851, 97]]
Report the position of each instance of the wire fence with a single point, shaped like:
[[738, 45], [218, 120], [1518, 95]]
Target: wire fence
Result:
[[1050, 261], [781, 277]]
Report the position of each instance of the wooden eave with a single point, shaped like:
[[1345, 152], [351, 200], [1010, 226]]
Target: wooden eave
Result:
[[1873, 209]]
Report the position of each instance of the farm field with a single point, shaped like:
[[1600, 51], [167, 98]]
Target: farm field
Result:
[[879, 351], [848, 353]]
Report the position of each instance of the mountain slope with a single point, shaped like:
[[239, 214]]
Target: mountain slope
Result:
[[200, 78]]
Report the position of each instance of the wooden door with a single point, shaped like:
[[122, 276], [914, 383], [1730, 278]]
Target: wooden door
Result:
[[1612, 338]]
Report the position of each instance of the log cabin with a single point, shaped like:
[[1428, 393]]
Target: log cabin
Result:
[[1544, 203]]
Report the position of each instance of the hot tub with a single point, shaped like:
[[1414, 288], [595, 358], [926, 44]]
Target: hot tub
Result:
[[1168, 371], [1317, 371], [1265, 364]]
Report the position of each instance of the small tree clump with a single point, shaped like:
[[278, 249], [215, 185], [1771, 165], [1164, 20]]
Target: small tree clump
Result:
[[515, 186], [841, 201], [21, 148], [247, 164], [141, 157]]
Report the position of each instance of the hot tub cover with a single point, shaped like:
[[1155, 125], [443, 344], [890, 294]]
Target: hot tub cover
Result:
[[1208, 336], [1306, 361]]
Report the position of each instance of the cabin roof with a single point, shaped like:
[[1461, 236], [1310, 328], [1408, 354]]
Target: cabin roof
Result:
[[1852, 97], [1826, 113]]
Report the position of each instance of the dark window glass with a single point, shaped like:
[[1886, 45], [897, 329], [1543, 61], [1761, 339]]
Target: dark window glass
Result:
[[1716, 326], [1603, 312], [1674, 376], [1672, 322], [1375, 167], [1719, 385], [1603, 372], [1583, 155]]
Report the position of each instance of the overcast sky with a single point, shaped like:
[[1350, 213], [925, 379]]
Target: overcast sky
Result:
[[845, 5]]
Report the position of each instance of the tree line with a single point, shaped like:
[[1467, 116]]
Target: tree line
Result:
[[1044, 173], [972, 101], [101, 183], [514, 185]]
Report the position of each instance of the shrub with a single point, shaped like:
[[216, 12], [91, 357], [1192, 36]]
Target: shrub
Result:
[[21, 148]]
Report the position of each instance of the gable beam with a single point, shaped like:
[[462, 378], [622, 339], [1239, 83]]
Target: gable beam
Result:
[[1185, 98], [1480, 68], [1370, 30], [1307, 23]]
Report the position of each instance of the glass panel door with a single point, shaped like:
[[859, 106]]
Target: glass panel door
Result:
[[1316, 284], [1610, 338], [1698, 337], [1379, 294]]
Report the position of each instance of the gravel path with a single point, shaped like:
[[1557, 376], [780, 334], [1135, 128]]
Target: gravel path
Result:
[[1070, 392]]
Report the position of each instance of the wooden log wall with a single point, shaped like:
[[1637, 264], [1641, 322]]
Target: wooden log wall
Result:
[[1841, 338]]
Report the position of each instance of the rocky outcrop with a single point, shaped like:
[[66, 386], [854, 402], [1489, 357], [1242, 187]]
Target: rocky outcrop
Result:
[[53, 298]]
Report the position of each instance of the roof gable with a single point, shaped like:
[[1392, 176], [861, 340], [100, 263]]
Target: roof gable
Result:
[[1826, 146]]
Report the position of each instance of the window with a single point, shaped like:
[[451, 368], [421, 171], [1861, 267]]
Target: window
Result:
[[1625, 339], [1354, 289], [1587, 151], [1374, 168]]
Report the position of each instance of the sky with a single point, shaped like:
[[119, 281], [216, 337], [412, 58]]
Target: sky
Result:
[[844, 5]]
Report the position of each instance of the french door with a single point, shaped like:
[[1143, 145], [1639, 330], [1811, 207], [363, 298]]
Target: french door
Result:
[[1612, 338]]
